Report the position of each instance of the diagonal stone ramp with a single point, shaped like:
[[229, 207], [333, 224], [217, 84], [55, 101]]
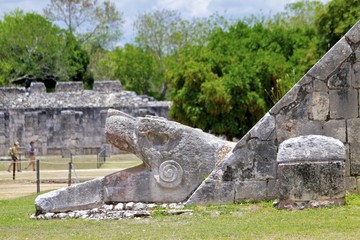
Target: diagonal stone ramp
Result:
[[324, 102]]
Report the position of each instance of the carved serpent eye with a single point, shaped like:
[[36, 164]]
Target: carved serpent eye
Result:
[[170, 174], [157, 138]]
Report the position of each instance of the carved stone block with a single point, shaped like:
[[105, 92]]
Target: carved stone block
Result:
[[250, 190], [320, 106], [343, 103], [331, 60], [336, 129], [311, 169]]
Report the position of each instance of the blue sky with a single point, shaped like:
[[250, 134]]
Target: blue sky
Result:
[[188, 8]]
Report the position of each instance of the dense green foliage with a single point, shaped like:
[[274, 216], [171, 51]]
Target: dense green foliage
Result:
[[227, 85], [138, 69], [32, 48], [163, 33], [235, 221], [336, 19], [222, 75]]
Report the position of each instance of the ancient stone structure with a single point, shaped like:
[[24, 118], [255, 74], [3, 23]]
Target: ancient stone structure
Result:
[[311, 172], [70, 117], [176, 159], [324, 102]]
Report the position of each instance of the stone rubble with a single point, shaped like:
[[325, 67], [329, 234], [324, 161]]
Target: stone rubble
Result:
[[118, 211]]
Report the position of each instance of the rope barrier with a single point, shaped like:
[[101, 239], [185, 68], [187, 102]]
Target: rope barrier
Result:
[[65, 163], [93, 162], [54, 163]]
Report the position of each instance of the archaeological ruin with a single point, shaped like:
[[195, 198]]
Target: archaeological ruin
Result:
[[317, 120], [69, 118]]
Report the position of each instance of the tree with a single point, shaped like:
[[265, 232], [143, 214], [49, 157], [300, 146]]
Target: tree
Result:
[[139, 70], [164, 32], [338, 17], [217, 87], [156, 31], [93, 23], [301, 13], [136, 68], [227, 85], [297, 28], [33, 49]]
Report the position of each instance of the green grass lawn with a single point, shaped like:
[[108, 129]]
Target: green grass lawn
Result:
[[237, 221]]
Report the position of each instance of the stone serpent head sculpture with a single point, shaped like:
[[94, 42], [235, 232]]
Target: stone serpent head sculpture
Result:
[[176, 160]]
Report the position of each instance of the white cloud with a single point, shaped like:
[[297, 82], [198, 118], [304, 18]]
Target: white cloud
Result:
[[188, 8], [200, 8]]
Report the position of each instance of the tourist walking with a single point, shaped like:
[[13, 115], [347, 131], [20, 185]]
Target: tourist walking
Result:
[[31, 153], [14, 154]]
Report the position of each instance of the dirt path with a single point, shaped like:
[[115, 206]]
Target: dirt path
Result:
[[25, 181]]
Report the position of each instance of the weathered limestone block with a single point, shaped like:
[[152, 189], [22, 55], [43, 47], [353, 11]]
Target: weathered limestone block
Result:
[[176, 160], [107, 86], [3, 141], [264, 159], [81, 196], [265, 128], [311, 172], [344, 103], [320, 106], [347, 161], [354, 33], [214, 190], [355, 159], [32, 125], [320, 86], [355, 77], [331, 60], [353, 130], [336, 129], [2, 123], [37, 88], [286, 127], [341, 77], [272, 189], [72, 128], [250, 191], [69, 87], [350, 183], [250, 165], [293, 102]]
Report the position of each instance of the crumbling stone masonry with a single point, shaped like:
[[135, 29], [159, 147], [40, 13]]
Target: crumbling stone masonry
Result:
[[183, 164], [70, 117], [324, 102], [311, 172]]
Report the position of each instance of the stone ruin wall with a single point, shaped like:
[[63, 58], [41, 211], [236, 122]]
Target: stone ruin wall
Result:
[[326, 101], [70, 117]]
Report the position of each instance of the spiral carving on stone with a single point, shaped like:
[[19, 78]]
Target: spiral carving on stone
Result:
[[170, 174]]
